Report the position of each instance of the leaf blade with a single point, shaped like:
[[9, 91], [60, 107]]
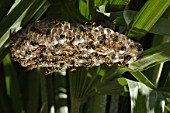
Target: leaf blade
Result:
[[147, 17]]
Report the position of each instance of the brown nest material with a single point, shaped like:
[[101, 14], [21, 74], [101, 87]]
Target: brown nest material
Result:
[[59, 45]]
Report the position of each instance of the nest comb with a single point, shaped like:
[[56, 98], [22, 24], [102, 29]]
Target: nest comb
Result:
[[60, 45]]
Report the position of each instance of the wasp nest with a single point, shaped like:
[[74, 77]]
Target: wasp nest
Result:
[[60, 45]]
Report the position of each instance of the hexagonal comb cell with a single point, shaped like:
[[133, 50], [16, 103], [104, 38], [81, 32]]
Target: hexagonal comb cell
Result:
[[59, 45]]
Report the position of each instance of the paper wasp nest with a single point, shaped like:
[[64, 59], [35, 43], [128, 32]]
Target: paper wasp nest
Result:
[[60, 45]]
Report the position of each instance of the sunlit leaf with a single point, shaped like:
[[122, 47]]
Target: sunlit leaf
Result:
[[145, 99], [142, 78], [152, 57], [147, 17], [13, 89]]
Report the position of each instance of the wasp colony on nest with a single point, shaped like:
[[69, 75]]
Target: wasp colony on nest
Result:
[[60, 45]]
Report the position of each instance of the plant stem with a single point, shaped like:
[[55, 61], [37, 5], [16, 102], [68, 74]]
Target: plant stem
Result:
[[44, 108], [95, 108], [76, 105]]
